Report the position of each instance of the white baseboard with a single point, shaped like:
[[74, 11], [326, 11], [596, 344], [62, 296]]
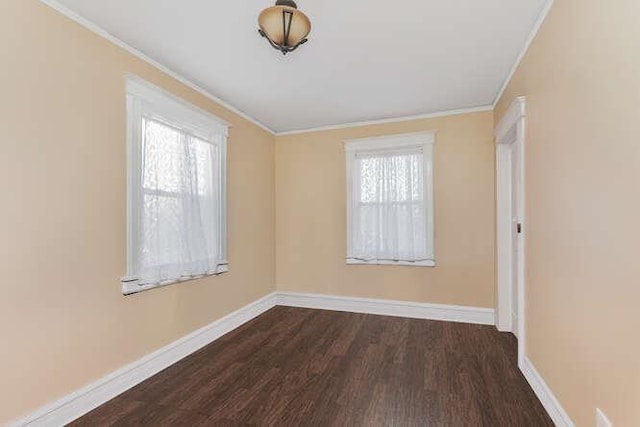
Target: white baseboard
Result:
[[547, 398], [93, 395], [416, 310], [82, 401]]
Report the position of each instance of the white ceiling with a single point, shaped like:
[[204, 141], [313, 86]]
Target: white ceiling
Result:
[[365, 59]]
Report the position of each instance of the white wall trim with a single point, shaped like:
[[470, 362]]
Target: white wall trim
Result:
[[536, 27], [547, 398], [135, 52], [80, 402], [602, 420], [156, 95], [509, 120], [415, 310], [394, 141], [445, 113]]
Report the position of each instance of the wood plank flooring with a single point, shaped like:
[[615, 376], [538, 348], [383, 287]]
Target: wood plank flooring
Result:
[[301, 367]]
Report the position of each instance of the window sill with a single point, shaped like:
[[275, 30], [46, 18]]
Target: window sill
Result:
[[427, 263], [133, 288]]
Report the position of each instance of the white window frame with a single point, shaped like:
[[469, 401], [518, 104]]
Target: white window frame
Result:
[[387, 144], [144, 97]]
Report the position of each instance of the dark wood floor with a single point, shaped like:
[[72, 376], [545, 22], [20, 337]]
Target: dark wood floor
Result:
[[299, 367]]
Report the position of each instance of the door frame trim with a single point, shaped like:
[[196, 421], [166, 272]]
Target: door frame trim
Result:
[[510, 130]]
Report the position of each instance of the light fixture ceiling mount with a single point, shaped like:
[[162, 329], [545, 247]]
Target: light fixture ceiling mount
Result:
[[284, 26]]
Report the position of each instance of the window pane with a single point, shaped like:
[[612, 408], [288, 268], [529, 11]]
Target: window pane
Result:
[[161, 230], [390, 222], [169, 154], [395, 177], [205, 156], [179, 216], [162, 156]]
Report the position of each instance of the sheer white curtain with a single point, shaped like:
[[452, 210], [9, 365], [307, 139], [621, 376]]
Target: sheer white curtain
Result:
[[178, 217], [388, 215]]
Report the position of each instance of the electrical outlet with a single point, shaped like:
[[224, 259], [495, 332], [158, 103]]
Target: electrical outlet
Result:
[[601, 419]]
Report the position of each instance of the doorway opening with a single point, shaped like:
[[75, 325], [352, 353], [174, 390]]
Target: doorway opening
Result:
[[510, 136]]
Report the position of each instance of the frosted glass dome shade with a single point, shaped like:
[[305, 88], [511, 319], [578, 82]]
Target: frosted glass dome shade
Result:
[[284, 26]]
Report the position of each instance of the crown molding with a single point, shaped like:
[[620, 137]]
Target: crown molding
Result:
[[536, 27], [54, 4], [445, 113], [135, 52]]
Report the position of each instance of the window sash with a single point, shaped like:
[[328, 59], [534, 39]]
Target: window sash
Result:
[[170, 195]]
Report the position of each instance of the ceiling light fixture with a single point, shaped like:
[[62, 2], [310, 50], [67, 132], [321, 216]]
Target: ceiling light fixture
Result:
[[284, 26]]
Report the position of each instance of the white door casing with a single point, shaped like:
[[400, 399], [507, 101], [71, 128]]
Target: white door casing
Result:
[[510, 136]]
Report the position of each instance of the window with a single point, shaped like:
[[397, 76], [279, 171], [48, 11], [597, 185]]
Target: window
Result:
[[176, 190], [390, 218]]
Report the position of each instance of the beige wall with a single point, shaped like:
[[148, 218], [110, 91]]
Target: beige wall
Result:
[[311, 216], [63, 320], [581, 78]]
